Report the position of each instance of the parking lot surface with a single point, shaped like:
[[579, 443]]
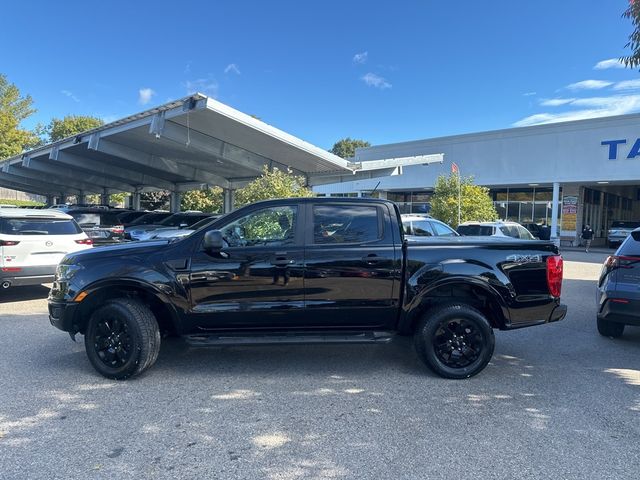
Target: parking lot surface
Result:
[[557, 401]]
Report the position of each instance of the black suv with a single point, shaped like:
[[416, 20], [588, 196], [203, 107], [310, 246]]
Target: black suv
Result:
[[101, 225]]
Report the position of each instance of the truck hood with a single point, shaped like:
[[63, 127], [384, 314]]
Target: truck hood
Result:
[[123, 249]]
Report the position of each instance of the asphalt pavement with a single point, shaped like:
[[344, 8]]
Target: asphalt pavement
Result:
[[557, 401]]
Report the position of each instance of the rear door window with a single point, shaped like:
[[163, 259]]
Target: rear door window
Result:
[[345, 224], [39, 226], [443, 230], [422, 228], [475, 230], [510, 231]]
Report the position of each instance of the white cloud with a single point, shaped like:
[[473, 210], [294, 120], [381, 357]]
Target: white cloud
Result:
[[627, 85], [208, 86], [373, 80], [589, 85], [556, 102], [529, 94], [69, 94], [144, 95], [232, 68], [361, 57], [596, 107], [610, 63]]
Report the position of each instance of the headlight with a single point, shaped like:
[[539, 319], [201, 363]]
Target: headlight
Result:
[[66, 272]]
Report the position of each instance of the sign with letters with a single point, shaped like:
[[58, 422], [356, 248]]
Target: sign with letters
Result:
[[614, 144]]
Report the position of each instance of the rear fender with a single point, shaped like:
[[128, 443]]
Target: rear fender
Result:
[[479, 286]]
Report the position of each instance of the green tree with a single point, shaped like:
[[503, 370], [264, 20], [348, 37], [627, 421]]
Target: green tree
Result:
[[14, 108], [70, 125], [476, 204], [209, 200], [272, 184], [346, 148], [155, 200], [633, 13]]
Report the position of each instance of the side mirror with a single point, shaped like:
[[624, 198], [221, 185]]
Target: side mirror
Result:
[[636, 235], [213, 241]]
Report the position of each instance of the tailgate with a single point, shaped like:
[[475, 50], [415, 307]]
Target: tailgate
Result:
[[34, 250]]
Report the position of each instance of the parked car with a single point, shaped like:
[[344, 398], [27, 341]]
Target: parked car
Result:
[[306, 270], [151, 218], [619, 231], [101, 225], [417, 227], [619, 288], [171, 232], [495, 229], [128, 217], [542, 232], [177, 220], [32, 243]]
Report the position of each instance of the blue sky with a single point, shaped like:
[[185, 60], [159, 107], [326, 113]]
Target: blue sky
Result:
[[381, 71]]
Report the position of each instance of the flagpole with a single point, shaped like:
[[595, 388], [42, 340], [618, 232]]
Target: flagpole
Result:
[[459, 198]]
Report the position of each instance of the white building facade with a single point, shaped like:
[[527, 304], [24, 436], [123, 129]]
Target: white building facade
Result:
[[585, 171]]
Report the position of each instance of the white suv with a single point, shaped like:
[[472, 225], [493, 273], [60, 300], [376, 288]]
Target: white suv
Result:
[[32, 243], [495, 229]]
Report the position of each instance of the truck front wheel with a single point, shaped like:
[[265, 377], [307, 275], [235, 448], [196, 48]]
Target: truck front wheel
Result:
[[454, 340], [122, 339]]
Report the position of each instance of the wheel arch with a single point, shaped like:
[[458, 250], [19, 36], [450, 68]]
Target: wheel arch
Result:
[[158, 302], [473, 292]]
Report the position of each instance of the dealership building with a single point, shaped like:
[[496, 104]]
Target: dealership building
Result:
[[585, 171]]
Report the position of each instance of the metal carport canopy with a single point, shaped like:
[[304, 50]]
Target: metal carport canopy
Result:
[[182, 145]]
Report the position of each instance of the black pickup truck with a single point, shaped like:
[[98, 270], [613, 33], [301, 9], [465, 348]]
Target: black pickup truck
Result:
[[306, 270]]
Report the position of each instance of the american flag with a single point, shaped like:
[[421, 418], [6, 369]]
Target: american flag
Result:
[[454, 168]]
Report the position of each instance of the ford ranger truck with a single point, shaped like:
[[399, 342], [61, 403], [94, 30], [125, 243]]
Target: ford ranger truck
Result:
[[306, 270]]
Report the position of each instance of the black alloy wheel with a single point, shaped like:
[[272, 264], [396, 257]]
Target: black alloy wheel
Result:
[[454, 340], [122, 338], [112, 342], [458, 342]]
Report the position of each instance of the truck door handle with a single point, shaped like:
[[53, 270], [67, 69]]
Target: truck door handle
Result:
[[372, 258]]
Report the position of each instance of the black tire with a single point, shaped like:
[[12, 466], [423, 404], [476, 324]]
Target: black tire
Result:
[[122, 339], [607, 328], [454, 340]]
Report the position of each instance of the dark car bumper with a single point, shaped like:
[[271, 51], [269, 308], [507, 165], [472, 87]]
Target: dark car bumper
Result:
[[614, 310], [29, 276], [61, 315]]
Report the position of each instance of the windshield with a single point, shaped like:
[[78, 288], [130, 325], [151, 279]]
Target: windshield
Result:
[[130, 216], [95, 219], [181, 219], [38, 226], [150, 218], [625, 224]]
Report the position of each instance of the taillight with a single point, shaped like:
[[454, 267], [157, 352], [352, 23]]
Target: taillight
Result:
[[84, 241], [8, 243], [554, 275], [11, 269], [620, 261]]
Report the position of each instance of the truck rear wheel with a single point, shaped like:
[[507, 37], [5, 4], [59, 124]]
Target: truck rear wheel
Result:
[[455, 341], [122, 339]]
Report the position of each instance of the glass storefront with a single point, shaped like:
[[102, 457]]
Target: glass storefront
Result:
[[524, 205]]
